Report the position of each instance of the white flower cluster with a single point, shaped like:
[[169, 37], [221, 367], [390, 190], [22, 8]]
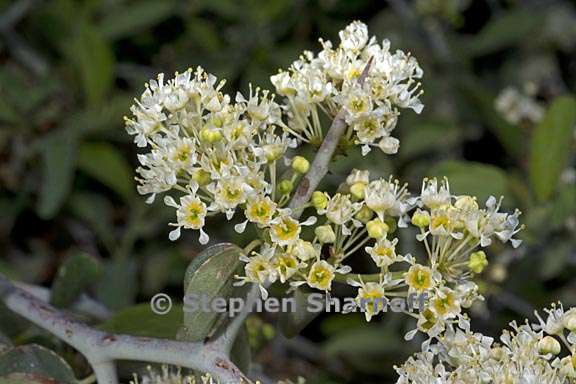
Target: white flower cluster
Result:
[[517, 107], [538, 353], [224, 157], [329, 82], [362, 216], [202, 144]]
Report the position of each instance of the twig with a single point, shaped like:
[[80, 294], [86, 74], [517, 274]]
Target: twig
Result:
[[319, 166], [102, 348]]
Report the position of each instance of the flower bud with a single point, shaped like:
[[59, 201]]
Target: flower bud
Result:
[[421, 218], [466, 203], [477, 262], [273, 152], [319, 200], [201, 176], [285, 187], [325, 234], [300, 164], [357, 190], [210, 135], [364, 214], [377, 229], [389, 145], [549, 345], [569, 320]]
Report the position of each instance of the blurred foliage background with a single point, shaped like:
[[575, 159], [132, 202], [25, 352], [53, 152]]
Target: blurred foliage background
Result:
[[69, 70]]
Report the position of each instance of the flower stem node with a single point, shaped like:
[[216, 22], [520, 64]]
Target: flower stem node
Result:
[[285, 187], [319, 200], [325, 234], [549, 345], [357, 190], [477, 262], [300, 164], [377, 229]]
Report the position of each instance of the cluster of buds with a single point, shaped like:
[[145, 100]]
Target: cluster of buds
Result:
[[529, 353], [326, 83]]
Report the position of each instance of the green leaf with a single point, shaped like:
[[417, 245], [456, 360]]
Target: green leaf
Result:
[[104, 163], [564, 206], [75, 275], [241, 355], [550, 147], [475, 179], [140, 320], [58, 152], [96, 210], [210, 275], [36, 360], [93, 59], [118, 284], [136, 17], [511, 28], [12, 324], [554, 259], [428, 137], [291, 323]]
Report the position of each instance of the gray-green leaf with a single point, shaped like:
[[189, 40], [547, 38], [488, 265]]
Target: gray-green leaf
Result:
[[78, 272], [36, 360], [210, 275]]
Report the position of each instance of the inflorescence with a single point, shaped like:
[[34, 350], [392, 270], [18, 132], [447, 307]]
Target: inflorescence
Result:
[[210, 155]]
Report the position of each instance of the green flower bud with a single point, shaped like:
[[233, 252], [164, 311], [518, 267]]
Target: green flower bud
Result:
[[364, 215], [285, 187], [325, 234], [319, 200], [300, 164], [477, 262], [201, 177], [357, 190], [210, 135], [421, 219], [377, 229]]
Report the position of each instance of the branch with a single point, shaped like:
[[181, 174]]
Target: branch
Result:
[[85, 304], [101, 348], [319, 167]]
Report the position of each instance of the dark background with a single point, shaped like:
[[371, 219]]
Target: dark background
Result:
[[69, 71]]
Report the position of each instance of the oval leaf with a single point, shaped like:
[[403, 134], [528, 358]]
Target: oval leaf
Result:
[[551, 142], [75, 275], [210, 275], [36, 360]]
